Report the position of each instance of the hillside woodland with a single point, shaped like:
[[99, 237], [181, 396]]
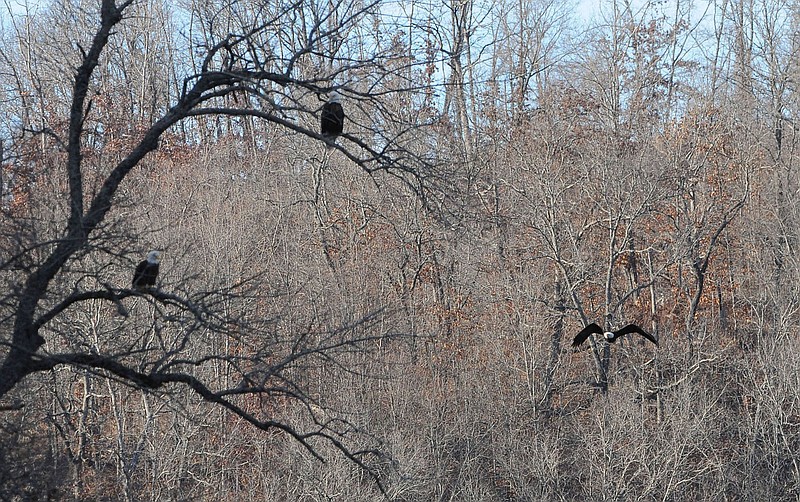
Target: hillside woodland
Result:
[[390, 317]]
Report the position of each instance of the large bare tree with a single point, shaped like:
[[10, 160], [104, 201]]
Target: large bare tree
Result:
[[252, 64]]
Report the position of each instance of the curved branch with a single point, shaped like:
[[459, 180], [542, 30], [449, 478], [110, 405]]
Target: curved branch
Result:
[[157, 380], [105, 294]]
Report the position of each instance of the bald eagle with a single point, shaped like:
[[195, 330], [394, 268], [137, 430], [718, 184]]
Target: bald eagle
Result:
[[146, 272], [611, 336], [332, 120]]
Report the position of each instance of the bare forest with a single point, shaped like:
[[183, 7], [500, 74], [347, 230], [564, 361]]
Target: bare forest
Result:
[[390, 316]]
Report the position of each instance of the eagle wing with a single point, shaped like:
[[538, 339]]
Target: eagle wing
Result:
[[585, 332], [632, 328], [138, 273]]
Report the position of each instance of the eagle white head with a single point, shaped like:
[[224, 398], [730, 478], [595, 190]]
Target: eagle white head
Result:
[[154, 257], [334, 97], [609, 335]]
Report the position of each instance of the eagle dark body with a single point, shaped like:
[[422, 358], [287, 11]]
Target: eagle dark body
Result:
[[145, 275], [146, 271], [611, 336], [332, 119]]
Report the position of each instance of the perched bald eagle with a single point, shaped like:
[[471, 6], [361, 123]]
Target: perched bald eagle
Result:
[[332, 120], [146, 272], [611, 336]]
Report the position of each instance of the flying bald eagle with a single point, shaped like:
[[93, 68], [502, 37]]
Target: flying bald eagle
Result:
[[611, 336], [146, 272], [332, 120]]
